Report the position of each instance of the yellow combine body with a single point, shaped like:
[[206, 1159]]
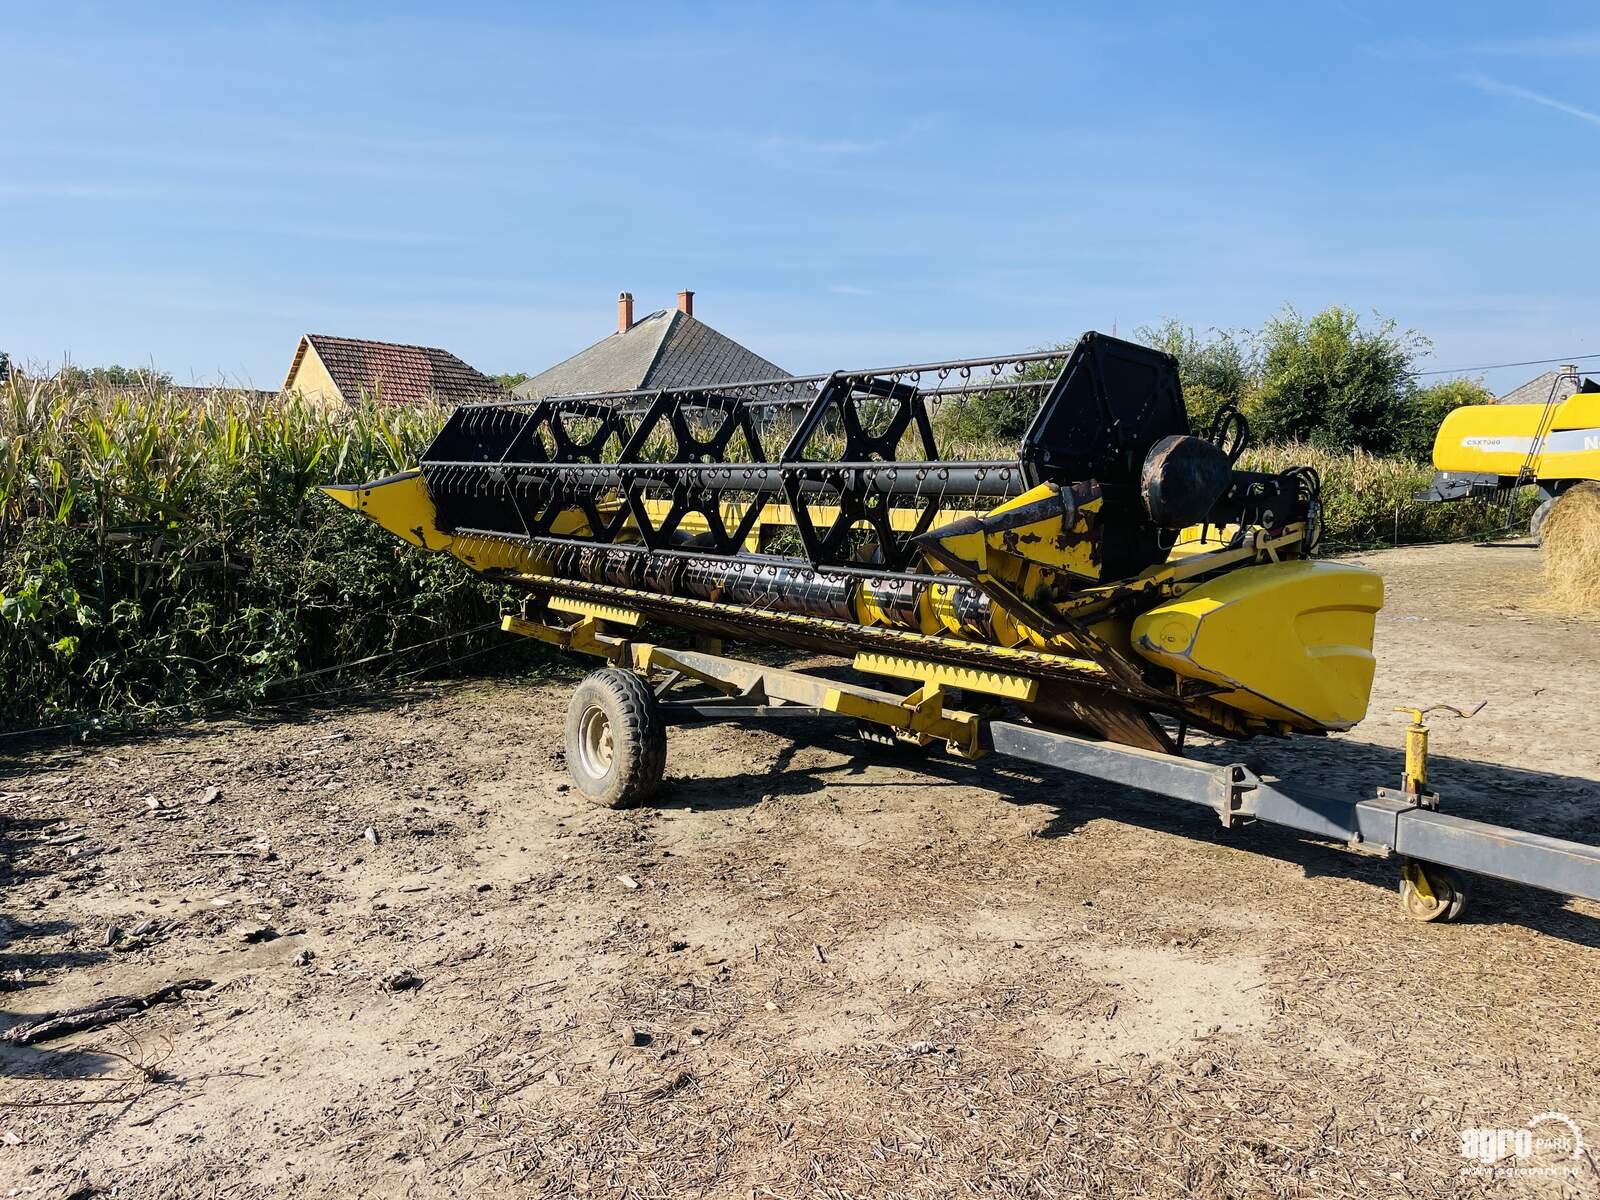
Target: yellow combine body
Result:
[[1488, 449], [1562, 440]]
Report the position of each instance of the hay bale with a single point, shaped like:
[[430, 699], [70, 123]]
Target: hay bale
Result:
[[1571, 538]]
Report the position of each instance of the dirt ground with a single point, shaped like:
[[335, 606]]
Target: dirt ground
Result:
[[811, 968]]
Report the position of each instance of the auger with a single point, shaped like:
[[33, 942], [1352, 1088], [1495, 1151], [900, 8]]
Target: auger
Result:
[[1118, 580]]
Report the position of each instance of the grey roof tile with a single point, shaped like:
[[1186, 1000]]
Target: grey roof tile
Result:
[[665, 349], [1538, 391], [694, 353]]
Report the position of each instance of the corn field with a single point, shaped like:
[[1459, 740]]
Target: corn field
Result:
[[158, 551], [160, 554], [1369, 500]]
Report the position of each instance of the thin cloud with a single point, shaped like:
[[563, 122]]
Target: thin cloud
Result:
[[848, 289], [328, 233], [1553, 45], [813, 145], [70, 191], [1571, 45], [1495, 87]]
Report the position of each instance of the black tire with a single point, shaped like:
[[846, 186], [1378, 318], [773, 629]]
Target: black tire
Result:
[[616, 740], [1536, 522]]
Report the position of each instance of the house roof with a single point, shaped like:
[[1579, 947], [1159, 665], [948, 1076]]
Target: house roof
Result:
[[668, 348], [1539, 391], [396, 373]]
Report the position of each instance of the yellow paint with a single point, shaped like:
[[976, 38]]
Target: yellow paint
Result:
[[311, 379], [584, 637], [1178, 570], [972, 679], [1495, 439], [1289, 641], [1202, 539], [872, 609], [1051, 541], [600, 612], [1007, 553], [400, 504], [922, 713], [1416, 776]]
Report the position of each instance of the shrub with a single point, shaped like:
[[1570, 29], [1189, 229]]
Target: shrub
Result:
[[1427, 410], [1329, 381], [1368, 499], [1215, 369]]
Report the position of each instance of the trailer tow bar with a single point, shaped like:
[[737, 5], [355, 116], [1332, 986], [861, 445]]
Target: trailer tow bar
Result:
[[1394, 821]]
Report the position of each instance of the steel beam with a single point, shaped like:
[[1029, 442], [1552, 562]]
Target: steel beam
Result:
[[686, 712], [1216, 787], [1381, 822], [1571, 868]]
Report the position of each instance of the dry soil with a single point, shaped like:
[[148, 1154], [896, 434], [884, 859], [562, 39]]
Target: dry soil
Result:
[[813, 967]]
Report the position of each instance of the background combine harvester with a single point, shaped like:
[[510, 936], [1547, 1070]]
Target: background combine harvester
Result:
[[1083, 603], [1489, 450]]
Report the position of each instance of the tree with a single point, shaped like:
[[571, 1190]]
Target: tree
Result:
[[76, 378], [1003, 413], [1218, 369], [1329, 381], [510, 379], [1429, 407]]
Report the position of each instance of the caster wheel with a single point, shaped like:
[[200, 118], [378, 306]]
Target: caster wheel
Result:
[[616, 741], [1430, 893]]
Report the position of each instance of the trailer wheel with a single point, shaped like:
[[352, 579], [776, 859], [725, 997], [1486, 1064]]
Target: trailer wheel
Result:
[[1430, 893], [1536, 522], [616, 740]]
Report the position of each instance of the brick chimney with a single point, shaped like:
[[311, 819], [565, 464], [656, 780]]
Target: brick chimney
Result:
[[624, 311], [686, 303]]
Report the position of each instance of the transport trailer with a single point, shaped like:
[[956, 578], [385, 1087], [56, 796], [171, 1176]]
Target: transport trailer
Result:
[[1084, 599], [617, 723]]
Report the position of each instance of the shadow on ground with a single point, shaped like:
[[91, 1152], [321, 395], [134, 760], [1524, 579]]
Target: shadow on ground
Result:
[[23, 969], [1558, 806]]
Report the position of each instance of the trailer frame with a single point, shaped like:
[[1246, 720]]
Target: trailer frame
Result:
[[1403, 822]]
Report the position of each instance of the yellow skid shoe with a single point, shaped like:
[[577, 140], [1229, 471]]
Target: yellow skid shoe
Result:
[[400, 503], [1290, 641]]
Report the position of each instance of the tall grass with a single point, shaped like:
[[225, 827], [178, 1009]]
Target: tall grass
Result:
[[155, 549], [1369, 499]]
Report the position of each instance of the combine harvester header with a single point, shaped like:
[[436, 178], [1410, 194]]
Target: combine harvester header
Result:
[[1117, 580]]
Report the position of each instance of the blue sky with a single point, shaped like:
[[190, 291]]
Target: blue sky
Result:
[[196, 185]]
